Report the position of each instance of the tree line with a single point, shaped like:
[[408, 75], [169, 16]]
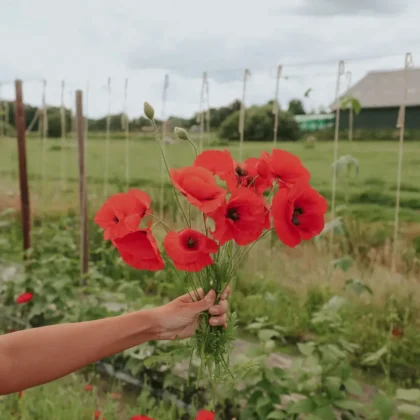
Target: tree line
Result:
[[224, 120]]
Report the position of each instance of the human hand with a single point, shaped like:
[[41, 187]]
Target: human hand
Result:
[[180, 318]]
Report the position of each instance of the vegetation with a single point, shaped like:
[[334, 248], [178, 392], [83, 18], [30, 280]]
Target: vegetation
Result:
[[343, 320]]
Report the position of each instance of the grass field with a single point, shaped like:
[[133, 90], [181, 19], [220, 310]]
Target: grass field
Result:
[[54, 186]]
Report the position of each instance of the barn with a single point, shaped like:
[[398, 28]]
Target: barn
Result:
[[381, 94]]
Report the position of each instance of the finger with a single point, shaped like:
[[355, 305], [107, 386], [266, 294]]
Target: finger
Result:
[[192, 296], [219, 309], [204, 304], [225, 293], [218, 320]]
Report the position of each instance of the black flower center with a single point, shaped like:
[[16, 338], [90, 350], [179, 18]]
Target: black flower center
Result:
[[115, 219], [241, 171], [296, 213], [232, 214], [191, 242]]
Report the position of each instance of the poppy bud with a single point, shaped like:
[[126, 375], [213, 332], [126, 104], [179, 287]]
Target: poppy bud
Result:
[[181, 133], [149, 111]]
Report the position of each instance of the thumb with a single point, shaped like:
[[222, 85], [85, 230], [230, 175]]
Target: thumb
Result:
[[204, 304]]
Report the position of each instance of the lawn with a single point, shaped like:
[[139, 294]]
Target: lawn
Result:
[[372, 193], [346, 317]]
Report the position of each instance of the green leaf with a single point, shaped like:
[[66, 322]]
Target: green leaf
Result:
[[411, 395], [325, 413], [308, 92], [358, 287], [301, 406], [409, 409], [254, 326], [277, 415], [373, 358], [306, 348], [353, 387], [333, 385], [265, 335], [384, 406], [344, 263], [349, 405]]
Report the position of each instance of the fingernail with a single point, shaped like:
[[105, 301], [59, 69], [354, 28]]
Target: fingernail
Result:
[[213, 311], [214, 321], [210, 296]]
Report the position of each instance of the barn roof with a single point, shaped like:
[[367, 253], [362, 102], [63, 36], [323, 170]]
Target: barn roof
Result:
[[382, 89]]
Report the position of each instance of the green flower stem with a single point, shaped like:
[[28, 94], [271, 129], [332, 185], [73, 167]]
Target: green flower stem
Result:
[[158, 221], [167, 169]]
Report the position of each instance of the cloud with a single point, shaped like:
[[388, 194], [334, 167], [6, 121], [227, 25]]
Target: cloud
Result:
[[351, 7]]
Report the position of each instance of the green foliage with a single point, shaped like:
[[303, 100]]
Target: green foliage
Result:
[[296, 106], [259, 125]]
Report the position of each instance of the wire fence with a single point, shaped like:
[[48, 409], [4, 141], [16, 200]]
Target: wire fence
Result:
[[118, 158]]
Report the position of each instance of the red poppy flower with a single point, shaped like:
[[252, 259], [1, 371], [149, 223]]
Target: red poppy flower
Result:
[[199, 186], [122, 213], [190, 250], [139, 250], [254, 174], [24, 297], [298, 213], [88, 387], [138, 417], [205, 415], [218, 162], [97, 414], [286, 167], [241, 219], [397, 332]]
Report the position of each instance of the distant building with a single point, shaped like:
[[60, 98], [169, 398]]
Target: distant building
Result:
[[314, 122], [381, 94]]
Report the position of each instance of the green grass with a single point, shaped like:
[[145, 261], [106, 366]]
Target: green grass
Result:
[[372, 192]]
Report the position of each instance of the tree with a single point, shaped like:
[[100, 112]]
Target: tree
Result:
[[259, 124], [296, 107]]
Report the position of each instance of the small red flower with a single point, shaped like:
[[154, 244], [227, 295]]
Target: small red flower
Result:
[[205, 415], [139, 417], [122, 213], [88, 387], [24, 297], [298, 213], [139, 250], [397, 332], [189, 250], [199, 186], [97, 414], [242, 218], [286, 167]]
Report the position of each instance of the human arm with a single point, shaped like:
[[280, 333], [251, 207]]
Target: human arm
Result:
[[36, 356]]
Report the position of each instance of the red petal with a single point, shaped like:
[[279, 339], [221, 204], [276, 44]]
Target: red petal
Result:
[[216, 161], [282, 211]]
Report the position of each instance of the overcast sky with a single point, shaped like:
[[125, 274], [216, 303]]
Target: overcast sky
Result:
[[91, 40]]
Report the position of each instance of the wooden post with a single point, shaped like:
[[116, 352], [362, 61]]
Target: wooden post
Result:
[[80, 122], [23, 174], [350, 109]]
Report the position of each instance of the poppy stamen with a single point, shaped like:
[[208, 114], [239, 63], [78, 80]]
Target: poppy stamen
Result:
[[297, 211], [191, 242], [232, 214], [241, 171], [116, 220]]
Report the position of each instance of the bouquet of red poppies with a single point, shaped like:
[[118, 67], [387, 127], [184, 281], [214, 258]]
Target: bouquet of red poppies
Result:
[[236, 204]]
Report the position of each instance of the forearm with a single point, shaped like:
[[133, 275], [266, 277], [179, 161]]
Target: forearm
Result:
[[33, 357]]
